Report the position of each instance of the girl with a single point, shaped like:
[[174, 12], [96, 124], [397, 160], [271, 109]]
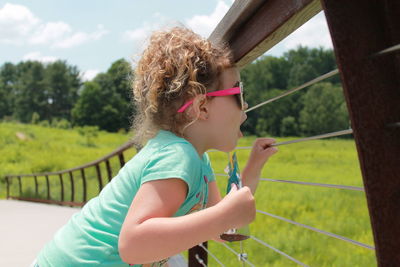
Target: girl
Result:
[[189, 100]]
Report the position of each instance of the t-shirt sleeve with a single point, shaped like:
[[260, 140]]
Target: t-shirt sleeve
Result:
[[173, 161]]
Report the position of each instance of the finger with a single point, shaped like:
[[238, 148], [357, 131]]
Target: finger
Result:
[[270, 150], [264, 142], [266, 139]]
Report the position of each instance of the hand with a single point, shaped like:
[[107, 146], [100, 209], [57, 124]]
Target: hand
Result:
[[239, 207], [261, 151]]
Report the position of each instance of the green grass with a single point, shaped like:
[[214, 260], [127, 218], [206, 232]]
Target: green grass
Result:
[[331, 161], [50, 149], [337, 211]]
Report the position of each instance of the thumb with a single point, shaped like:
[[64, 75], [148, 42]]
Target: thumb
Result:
[[233, 188]]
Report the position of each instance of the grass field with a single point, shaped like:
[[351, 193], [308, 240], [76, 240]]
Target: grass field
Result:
[[325, 161]]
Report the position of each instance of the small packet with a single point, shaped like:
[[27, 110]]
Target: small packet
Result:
[[232, 169]]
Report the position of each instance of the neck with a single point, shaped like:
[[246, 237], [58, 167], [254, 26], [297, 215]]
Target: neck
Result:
[[197, 138]]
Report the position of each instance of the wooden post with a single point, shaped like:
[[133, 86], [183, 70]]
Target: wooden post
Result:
[[8, 187], [36, 187], [109, 171], [371, 84], [84, 185], [20, 186], [99, 177], [121, 159], [62, 187], [201, 255], [71, 177], [48, 187]]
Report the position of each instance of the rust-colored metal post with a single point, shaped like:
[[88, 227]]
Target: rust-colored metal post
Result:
[[198, 253], [84, 185], [99, 177], [109, 172], [62, 186], [8, 187], [371, 83], [121, 159], [48, 187], [36, 186], [71, 177], [20, 186]]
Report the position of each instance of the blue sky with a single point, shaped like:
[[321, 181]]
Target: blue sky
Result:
[[92, 34]]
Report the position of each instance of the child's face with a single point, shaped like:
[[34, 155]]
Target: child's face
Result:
[[226, 115]]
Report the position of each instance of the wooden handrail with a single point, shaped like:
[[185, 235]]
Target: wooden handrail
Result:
[[50, 175], [118, 151], [251, 28]]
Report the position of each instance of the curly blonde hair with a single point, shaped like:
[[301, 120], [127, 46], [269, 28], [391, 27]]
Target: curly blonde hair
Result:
[[176, 66]]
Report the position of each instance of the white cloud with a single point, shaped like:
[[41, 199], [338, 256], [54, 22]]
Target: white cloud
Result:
[[89, 75], [18, 25], [79, 38], [205, 24], [138, 34], [50, 32], [201, 24], [37, 56]]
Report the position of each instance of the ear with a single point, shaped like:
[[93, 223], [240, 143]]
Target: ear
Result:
[[200, 108]]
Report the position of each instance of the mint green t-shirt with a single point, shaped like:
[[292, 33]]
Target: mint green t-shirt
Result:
[[90, 238]]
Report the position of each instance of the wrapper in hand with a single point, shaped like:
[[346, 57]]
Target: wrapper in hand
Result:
[[234, 178]]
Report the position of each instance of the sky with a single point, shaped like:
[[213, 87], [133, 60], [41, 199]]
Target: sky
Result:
[[92, 34]]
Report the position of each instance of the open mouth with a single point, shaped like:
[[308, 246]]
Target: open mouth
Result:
[[240, 134]]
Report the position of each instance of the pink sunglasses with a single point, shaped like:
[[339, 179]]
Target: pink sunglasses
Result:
[[236, 91]]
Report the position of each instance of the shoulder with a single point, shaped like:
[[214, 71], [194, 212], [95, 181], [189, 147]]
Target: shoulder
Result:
[[166, 144]]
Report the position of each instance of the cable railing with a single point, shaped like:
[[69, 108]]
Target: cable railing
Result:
[[291, 91], [241, 256], [278, 251], [317, 230], [211, 254], [345, 187]]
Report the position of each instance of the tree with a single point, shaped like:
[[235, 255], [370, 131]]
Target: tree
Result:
[[269, 76], [324, 110], [30, 91], [63, 83], [8, 75], [106, 100], [100, 107]]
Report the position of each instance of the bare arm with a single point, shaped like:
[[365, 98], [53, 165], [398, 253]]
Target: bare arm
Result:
[[149, 233], [214, 196], [260, 153]]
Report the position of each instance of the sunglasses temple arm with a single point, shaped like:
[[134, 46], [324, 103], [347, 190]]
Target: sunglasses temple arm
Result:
[[182, 109]]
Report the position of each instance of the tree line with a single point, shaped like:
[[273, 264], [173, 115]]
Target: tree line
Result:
[[54, 94]]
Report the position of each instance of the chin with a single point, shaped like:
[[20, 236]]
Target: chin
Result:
[[228, 148]]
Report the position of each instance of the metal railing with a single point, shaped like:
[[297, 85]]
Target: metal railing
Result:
[[59, 177]]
